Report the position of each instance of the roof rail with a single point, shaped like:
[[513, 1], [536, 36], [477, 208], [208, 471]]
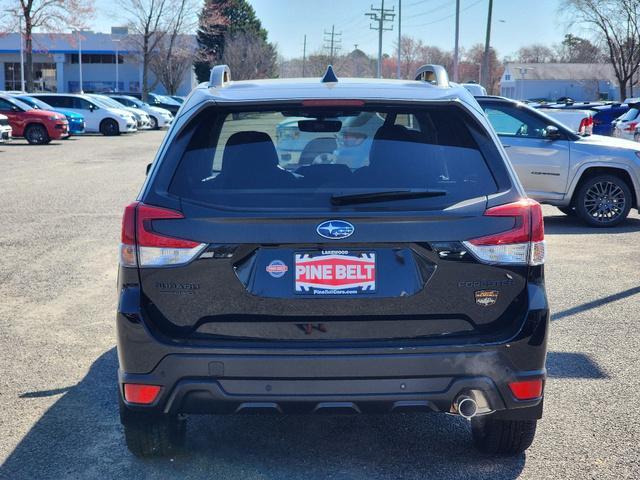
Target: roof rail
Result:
[[220, 76], [434, 74]]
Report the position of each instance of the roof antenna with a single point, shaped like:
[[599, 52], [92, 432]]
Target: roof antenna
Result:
[[329, 76]]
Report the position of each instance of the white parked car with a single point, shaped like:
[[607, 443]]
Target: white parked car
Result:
[[142, 118], [98, 118], [578, 121], [625, 125], [5, 129], [159, 117]]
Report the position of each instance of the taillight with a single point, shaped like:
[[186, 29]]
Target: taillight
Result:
[[526, 389], [141, 394], [631, 126], [142, 246], [523, 244]]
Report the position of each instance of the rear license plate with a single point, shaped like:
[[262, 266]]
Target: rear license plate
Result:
[[335, 272]]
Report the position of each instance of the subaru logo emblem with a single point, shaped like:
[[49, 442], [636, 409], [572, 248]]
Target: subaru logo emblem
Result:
[[335, 229]]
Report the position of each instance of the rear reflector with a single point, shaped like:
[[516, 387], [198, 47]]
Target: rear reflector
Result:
[[141, 394], [523, 244], [141, 245], [527, 389]]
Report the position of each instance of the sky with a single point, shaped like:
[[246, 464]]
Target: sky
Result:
[[515, 23]]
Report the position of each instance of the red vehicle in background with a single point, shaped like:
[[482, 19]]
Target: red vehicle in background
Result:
[[38, 127]]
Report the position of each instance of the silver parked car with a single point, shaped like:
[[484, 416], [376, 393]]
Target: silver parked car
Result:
[[595, 177]]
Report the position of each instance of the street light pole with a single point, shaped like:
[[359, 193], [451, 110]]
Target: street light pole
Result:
[[21, 54], [117, 42], [80, 59]]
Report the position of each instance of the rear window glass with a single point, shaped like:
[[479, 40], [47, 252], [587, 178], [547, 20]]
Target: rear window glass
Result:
[[631, 114], [300, 159]]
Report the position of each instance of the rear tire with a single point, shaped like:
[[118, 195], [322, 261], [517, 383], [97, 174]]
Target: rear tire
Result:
[[36, 135], [505, 437], [150, 434], [109, 127], [603, 201]]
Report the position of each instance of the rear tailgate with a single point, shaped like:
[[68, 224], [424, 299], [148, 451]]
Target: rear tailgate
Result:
[[393, 278]]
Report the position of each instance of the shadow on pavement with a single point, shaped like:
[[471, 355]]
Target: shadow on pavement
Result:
[[595, 303], [564, 225], [573, 365], [80, 437]]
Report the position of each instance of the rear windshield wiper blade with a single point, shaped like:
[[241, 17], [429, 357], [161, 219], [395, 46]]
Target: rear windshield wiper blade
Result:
[[383, 196]]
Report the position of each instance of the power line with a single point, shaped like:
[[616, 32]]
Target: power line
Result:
[[436, 9], [380, 16], [447, 17]]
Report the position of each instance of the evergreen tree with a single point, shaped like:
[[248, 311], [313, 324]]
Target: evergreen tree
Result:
[[219, 20]]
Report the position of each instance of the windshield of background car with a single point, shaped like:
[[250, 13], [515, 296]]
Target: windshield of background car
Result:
[[299, 158]]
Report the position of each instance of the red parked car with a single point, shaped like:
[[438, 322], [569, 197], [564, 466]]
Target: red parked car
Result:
[[38, 127]]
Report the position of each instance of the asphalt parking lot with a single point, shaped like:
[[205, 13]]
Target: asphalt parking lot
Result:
[[59, 227]]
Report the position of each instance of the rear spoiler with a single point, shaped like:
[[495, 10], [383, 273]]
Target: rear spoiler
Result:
[[433, 74]]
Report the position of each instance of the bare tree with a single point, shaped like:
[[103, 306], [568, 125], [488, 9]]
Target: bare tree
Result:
[[615, 23], [249, 57], [536, 53], [50, 15], [175, 52], [149, 20]]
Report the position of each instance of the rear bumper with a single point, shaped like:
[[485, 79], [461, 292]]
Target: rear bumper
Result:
[[235, 379], [223, 384]]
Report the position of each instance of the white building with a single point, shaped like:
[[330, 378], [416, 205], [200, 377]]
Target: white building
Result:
[[57, 69], [551, 81]]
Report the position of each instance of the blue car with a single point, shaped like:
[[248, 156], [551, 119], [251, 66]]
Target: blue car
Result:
[[76, 121]]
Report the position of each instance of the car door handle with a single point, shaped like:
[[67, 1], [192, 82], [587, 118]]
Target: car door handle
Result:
[[506, 146]]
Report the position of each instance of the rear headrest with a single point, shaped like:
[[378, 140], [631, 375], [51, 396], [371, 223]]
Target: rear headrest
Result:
[[392, 132], [249, 149]]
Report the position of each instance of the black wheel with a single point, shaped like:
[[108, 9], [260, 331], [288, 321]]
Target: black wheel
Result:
[[603, 201], [507, 437], [154, 123], [36, 135], [109, 127], [569, 211], [152, 435]]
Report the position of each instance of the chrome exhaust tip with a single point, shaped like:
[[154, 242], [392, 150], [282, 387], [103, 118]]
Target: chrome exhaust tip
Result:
[[466, 407], [471, 403]]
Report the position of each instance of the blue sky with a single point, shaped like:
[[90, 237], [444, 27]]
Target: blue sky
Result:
[[515, 23]]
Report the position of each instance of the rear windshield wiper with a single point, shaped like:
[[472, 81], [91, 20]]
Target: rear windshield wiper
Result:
[[383, 196]]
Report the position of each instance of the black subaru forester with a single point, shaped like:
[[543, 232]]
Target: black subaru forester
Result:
[[388, 262]]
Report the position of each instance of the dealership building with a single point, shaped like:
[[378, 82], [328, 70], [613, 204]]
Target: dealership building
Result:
[[56, 63]]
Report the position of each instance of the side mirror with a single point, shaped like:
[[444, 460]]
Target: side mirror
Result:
[[92, 107], [552, 133], [14, 108]]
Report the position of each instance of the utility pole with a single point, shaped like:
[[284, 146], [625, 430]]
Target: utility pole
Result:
[[486, 70], [379, 16], [399, 35], [304, 57], [332, 43], [456, 50]]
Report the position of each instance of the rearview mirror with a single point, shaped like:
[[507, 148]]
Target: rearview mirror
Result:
[[552, 133], [320, 126]]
